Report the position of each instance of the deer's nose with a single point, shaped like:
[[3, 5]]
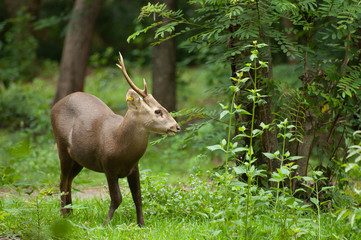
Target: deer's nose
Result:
[[175, 128]]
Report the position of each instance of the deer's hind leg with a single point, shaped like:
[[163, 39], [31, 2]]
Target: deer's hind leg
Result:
[[69, 169]]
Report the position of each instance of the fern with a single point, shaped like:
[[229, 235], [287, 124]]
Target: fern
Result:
[[144, 30], [350, 84], [293, 109]]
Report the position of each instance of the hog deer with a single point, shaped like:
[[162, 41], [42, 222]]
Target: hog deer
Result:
[[89, 134]]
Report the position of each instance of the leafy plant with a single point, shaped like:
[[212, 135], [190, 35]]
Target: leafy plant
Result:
[[18, 51], [230, 146], [316, 178]]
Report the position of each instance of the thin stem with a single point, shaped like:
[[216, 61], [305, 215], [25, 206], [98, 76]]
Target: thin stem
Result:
[[38, 217], [250, 151], [318, 212], [253, 111], [247, 210], [229, 130], [278, 183]]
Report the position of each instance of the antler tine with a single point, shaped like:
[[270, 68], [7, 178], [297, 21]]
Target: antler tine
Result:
[[145, 87], [144, 92]]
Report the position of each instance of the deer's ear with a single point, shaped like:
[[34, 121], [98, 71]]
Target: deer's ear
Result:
[[133, 100]]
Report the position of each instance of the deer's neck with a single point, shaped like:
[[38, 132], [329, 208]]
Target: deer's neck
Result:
[[132, 134]]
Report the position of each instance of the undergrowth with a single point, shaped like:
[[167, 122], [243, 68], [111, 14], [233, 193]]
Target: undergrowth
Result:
[[191, 209]]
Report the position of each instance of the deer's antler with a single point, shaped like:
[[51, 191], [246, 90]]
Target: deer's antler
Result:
[[142, 93]]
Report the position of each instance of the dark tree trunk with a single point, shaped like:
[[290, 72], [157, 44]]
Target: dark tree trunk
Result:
[[164, 69], [76, 49]]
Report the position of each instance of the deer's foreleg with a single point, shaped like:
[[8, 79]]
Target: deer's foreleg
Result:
[[115, 196], [134, 185]]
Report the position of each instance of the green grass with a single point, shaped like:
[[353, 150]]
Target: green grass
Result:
[[170, 213], [86, 222]]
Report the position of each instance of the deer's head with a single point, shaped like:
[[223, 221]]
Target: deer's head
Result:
[[144, 106]]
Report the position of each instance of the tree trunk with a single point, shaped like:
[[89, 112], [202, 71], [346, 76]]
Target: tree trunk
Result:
[[164, 69], [77, 47]]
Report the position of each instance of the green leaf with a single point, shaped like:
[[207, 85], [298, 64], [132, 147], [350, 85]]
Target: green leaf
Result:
[[253, 57], [351, 166], [223, 107], [257, 132], [264, 126], [309, 187], [285, 171], [240, 169], [137, 33], [270, 155], [307, 179], [242, 128], [352, 219], [290, 201], [215, 147], [293, 158], [318, 173], [238, 183], [314, 200], [242, 135], [288, 135], [243, 112], [326, 188], [343, 214], [277, 177], [240, 149], [224, 113]]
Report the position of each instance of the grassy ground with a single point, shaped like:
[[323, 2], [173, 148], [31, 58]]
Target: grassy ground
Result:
[[181, 198], [170, 213]]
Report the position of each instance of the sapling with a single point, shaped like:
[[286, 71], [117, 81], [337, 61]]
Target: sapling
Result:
[[230, 146]]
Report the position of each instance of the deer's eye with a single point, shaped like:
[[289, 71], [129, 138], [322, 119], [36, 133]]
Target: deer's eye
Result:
[[158, 112]]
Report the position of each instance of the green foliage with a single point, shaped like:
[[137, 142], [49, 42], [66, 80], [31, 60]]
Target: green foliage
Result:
[[321, 37], [26, 106], [102, 59], [350, 85], [214, 22], [316, 178], [24, 163], [293, 110], [18, 50]]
